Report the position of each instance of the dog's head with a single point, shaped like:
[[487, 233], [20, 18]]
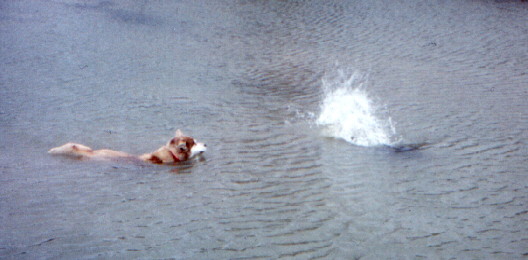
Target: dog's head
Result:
[[185, 147]]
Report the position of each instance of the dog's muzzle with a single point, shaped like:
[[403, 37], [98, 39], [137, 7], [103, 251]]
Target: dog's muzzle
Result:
[[198, 148]]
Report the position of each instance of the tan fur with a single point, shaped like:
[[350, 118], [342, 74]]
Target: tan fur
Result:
[[178, 149]]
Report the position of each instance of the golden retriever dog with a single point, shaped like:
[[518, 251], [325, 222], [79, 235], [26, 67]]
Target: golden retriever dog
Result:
[[180, 148]]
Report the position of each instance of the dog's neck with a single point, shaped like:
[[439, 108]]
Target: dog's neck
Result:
[[174, 157]]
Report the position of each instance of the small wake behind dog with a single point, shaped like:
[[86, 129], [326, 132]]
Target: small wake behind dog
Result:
[[180, 148]]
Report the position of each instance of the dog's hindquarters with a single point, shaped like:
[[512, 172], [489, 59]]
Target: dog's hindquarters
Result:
[[79, 150], [72, 149]]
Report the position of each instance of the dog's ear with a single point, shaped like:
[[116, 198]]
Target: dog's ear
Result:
[[179, 133]]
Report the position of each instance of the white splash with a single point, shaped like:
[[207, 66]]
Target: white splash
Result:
[[347, 112]]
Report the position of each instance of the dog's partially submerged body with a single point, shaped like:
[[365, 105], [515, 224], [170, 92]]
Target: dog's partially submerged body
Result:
[[180, 148]]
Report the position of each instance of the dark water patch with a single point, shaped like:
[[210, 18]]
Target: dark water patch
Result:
[[398, 148], [122, 15]]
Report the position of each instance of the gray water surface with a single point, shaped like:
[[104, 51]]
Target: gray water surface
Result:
[[246, 77]]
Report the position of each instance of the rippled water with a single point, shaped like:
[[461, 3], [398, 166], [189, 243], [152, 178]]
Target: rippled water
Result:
[[336, 129]]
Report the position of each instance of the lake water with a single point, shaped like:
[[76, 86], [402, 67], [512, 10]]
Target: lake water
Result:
[[336, 129]]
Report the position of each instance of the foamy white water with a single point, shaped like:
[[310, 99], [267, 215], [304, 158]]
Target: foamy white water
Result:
[[348, 113]]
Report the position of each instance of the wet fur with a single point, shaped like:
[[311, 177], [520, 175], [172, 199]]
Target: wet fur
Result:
[[180, 148]]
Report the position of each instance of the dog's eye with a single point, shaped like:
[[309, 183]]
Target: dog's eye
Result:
[[182, 147]]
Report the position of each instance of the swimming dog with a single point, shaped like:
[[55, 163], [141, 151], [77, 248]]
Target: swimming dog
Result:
[[180, 148]]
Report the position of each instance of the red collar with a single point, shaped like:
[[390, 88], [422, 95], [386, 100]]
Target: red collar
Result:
[[174, 157]]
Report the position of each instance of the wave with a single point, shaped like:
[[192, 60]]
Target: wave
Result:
[[348, 113]]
